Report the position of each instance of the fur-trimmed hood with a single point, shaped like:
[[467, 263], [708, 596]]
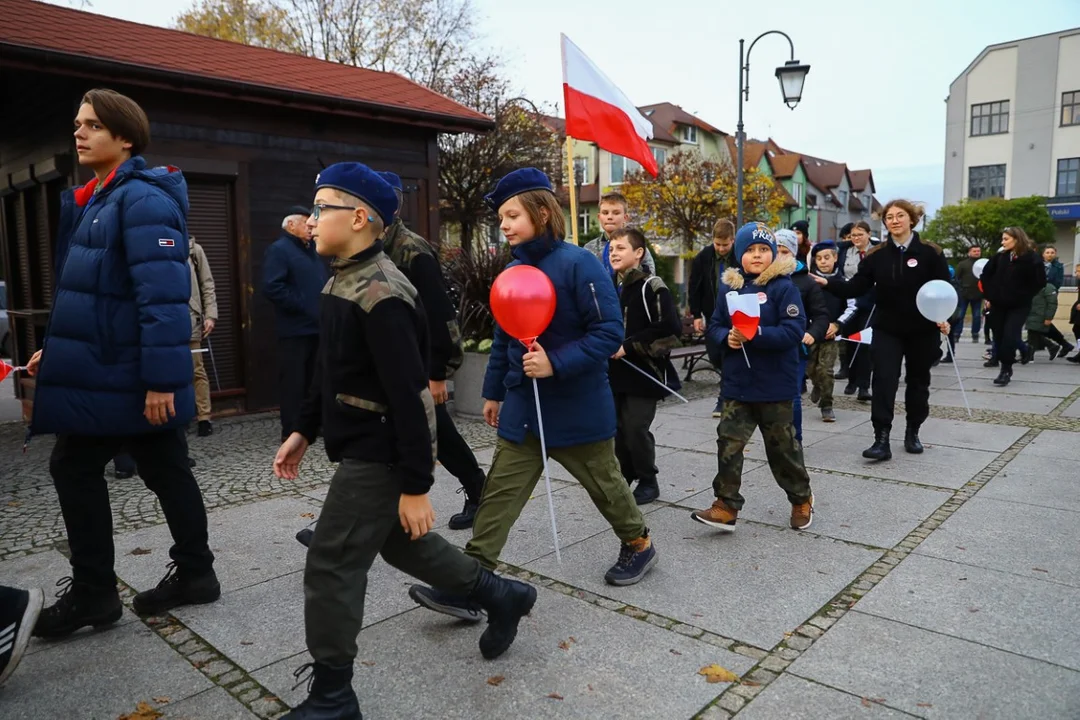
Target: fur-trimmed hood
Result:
[[782, 265]]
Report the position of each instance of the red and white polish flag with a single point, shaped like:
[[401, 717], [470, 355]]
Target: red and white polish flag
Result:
[[745, 311], [863, 337], [599, 112]]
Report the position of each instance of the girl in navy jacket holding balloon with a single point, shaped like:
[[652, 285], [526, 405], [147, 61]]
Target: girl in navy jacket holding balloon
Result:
[[569, 362]]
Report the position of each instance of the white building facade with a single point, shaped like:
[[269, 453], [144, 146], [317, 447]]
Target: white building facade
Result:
[[1013, 130]]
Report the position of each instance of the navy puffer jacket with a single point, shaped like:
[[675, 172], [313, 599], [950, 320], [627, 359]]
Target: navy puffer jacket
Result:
[[119, 324]]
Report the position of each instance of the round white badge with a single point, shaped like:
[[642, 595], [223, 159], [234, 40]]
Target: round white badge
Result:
[[761, 298], [912, 262], [793, 310]]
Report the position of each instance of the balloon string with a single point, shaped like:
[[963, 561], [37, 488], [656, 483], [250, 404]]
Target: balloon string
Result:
[[654, 380], [956, 366], [745, 355], [547, 472]]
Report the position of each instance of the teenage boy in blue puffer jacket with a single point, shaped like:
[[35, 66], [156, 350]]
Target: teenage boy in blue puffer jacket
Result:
[[760, 376]]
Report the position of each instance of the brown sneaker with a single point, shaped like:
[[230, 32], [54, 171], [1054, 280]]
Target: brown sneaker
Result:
[[719, 516], [802, 514]]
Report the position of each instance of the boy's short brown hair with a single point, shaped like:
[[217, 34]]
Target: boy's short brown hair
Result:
[[724, 229], [632, 235], [615, 198], [536, 200], [123, 117]]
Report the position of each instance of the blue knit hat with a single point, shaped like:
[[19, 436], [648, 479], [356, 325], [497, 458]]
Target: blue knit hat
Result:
[[754, 233], [516, 183], [361, 181], [788, 239], [393, 178]]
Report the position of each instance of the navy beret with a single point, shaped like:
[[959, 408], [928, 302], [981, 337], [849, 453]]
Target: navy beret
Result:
[[516, 183], [392, 178], [361, 181], [823, 245], [298, 210]]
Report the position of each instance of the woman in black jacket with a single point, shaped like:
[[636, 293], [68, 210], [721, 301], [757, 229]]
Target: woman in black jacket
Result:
[[1010, 280]]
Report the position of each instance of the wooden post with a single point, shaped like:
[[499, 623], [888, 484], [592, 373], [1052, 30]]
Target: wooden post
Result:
[[572, 184]]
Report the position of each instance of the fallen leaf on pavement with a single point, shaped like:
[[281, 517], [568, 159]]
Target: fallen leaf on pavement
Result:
[[958, 547], [590, 688], [751, 683], [674, 652], [246, 642], [309, 516], [367, 663], [495, 680], [879, 701], [924, 705], [716, 674], [564, 645], [555, 696], [866, 703], [143, 711], [1040, 570], [162, 700], [141, 551], [973, 610], [13, 504], [573, 639]]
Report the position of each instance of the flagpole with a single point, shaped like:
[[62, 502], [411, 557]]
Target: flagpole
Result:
[[571, 182]]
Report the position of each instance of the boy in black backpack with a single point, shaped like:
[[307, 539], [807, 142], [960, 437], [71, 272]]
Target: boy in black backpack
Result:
[[823, 355], [652, 328]]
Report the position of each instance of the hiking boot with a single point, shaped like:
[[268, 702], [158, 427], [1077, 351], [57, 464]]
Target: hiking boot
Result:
[[19, 611], [802, 514], [304, 537], [330, 693], [850, 389], [815, 395], [864, 395], [1026, 357], [827, 415], [506, 602], [719, 516], [992, 362], [78, 606], [1003, 378], [718, 409], [911, 441], [464, 519], [842, 374], [880, 450], [206, 428], [646, 492], [636, 559], [178, 587], [458, 606], [1054, 351]]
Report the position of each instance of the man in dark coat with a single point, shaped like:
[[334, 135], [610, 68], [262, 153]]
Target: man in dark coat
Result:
[[970, 294]]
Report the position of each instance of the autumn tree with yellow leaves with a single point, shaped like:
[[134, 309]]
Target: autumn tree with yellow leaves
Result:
[[690, 194]]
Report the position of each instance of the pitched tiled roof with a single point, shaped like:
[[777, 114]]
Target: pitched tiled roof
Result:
[[668, 115], [860, 179], [58, 36], [784, 165]]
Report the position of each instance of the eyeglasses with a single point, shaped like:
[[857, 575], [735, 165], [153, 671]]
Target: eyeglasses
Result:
[[317, 209]]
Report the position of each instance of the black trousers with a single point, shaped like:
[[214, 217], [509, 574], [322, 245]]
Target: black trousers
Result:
[[296, 362], [1008, 327], [78, 471], [456, 456], [123, 462], [635, 446], [917, 353], [1054, 334]]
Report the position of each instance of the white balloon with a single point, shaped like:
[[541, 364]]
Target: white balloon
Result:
[[936, 300], [977, 268]]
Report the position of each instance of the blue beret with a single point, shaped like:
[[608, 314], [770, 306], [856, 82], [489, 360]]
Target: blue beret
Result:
[[823, 245], [516, 183], [754, 233], [392, 178], [363, 182]]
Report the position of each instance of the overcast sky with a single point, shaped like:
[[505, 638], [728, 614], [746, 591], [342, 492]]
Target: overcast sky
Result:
[[875, 95]]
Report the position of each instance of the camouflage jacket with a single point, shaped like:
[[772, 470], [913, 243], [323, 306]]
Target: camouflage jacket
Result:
[[370, 394], [417, 260]]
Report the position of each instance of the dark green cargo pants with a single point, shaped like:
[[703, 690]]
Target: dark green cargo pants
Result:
[[785, 453], [515, 470], [359, 520]]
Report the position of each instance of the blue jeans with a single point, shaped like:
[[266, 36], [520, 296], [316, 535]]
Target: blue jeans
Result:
[[797, 405], [976, 315]]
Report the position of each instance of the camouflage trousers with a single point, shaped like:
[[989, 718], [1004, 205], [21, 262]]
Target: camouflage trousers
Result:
[[785, 453], [819, 370]]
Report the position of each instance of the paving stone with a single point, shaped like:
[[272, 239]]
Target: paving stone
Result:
[[976, 535], [1053, 444], [209, 705], [979, 396], [912, 668], [715, 713], [748, 565], [684, 474], [600, 676], [793, 698], [956, 599], [732, 702], [1038, 479]]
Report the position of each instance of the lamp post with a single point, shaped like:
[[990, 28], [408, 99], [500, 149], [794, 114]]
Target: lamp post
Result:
[[791, 75]]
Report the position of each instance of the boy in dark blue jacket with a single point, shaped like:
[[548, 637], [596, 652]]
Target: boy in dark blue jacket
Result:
[[759, 376]]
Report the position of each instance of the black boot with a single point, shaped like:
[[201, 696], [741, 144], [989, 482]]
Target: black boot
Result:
[[646, 492], [330, 694], [464, 519], [911, 441], [304, 537], [177, 588], [880, 450], [506, 602], [992, 362], [79, 605], [1003, 377]]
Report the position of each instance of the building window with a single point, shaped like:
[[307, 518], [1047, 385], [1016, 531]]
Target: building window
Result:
[[843, 199], [660, 156], [689, 134], [583, 222], [986, 181], [1070, 108], [990, 118], [796, 192], [618, 169], [1068, 177], [581, 171]]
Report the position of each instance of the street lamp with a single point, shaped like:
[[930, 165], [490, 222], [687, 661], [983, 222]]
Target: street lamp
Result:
[[792, 76]]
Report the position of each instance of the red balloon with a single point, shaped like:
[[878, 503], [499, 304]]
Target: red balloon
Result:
[[523, 302]]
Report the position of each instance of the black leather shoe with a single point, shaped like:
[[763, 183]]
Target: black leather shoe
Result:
[[206, 428], [880, 450], [464, 519], [330, 694], [177, 588], [646, 492], [506, 602], [1003, 378], [864, 395], [79, 605], [911, 441]]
